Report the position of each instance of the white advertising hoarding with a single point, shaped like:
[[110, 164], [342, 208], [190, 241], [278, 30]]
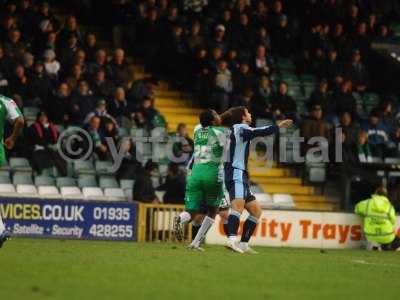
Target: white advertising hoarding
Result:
[[300, 229]]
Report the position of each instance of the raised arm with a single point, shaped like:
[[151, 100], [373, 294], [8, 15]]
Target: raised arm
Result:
[[250, 133]]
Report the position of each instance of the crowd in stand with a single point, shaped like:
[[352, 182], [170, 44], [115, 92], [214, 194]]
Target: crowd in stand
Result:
[[223, 52]]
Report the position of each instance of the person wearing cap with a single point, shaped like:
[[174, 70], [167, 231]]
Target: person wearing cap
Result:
[[219, 39], [379, 221], [101, 112]]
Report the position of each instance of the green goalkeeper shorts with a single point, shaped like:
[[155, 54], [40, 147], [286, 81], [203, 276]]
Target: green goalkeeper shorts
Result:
[[203, 186]]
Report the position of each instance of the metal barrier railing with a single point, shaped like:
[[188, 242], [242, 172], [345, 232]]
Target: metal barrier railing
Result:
[[155, 222]]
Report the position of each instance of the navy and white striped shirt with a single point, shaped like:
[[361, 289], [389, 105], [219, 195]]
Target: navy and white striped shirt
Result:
[[240, 138]]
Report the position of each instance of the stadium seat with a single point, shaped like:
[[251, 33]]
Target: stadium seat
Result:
[[128, 194], [7, 188], [392, 160], [70, 191], [66, 181], [104, 167], [376, 160], [20, 164], [283, 200], [48, 172], [44, 180], [84, 167], [5, 179], [22, 178], [108, 182], [26, 189], [92, 192], [87, 182], [48, 191], [126, 183], [114, 193], [317, 173]]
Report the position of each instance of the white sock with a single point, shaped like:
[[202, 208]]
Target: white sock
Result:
[[244, 245], [2, 227], [205, 226], [232, 238], [185, 217]]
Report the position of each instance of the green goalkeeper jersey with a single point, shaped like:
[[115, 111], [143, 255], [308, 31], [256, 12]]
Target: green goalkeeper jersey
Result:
[[209, 145], [8, 111]]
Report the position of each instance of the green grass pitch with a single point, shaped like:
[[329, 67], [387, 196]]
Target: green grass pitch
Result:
[[53, 269]]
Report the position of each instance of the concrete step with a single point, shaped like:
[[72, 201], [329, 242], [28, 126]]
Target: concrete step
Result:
[[272, 188], [317, 206], [310, 198], [278, 180], [271, 172], [178, 118], [181, 110], [171, 103]]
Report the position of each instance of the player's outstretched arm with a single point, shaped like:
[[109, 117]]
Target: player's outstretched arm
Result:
[[17, 129], [250, 133]]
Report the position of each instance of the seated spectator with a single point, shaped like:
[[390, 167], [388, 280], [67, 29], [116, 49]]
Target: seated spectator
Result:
[[141, 89], [184, 144], [345, 101], [243, 79], [108, 136], [364, 153], [350, 128], [75, 76], [174, 185], [101, 112], [59, 105], [51, 65], [263, 98], [232, 60], [42, 138], [357, 72], [6, 66], [100, 62], [282, 104], [223, 87], [263, 38], [145, 114], [67, 52], [282, 37], [378, 134], [41, 83], [21, 87], [314, 126], [332, 67], [90, 46], [143, 190], [322, 97], [218, 40], [130, 166], [387, 113], [14, 46], [383, 35], [262, 62], [70, 28], [117, 69], [82, 103], [93, 128], [119, 107], [195, 40], [101, 86]]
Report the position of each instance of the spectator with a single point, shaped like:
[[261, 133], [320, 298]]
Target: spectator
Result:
[[218, 40], [117, 69], [345, 101], [357, 72], [90, 46], [184, 144], [75, 76], [68, 50], [283, 104], [332, 67], [41, 83], [70, 29], [130, 166], [101, 86], [321, 97], [119, 107], [59, 107], [145, 114], [99, 62], [388, 117], [243, 79], [21, 87], [314, 126], [51, 65], [282, 37], [108, 136], [42, 138], [174, 185], [195, 40], [223, 87], [14, 46], [101, 112], [262, 63], [93, 128], [350, 129], [143, 190], [263, 98], [378, 134], [82, 102]]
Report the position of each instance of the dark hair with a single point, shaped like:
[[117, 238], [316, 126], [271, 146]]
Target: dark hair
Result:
[[150, 166], [236, 114], [381, 190], [207, 117], [226, 119], [174, 168]]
